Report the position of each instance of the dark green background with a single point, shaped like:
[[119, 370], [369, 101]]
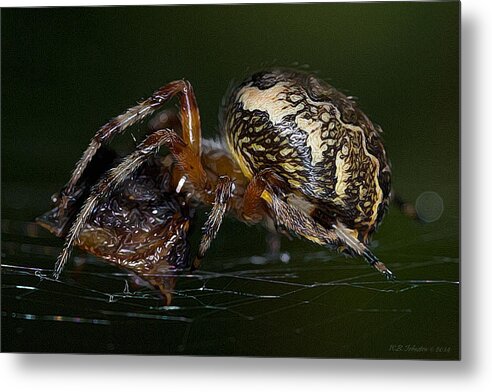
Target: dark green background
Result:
[[67, 71]]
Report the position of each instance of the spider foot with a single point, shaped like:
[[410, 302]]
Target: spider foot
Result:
[[384, 270]]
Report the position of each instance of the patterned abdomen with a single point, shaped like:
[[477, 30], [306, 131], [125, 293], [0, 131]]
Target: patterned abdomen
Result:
[[316, 139]]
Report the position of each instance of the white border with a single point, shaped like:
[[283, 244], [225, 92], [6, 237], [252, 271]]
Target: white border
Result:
[[120, 373], [51, 3]]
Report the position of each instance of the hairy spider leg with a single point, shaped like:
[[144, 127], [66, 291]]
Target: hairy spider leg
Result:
[[111, 180], [354, 245], [303, 225], [223, 193], [298, 222], [190, 123]]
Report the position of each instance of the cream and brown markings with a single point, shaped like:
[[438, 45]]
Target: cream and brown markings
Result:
[[316, 139]]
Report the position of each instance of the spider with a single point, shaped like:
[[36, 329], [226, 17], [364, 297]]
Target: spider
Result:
[[294, 154]]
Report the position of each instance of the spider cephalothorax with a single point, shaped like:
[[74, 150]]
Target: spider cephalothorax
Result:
[[295, 154]]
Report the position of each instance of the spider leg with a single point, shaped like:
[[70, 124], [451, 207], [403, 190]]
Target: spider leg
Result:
[[190, 123], [300, 223], [223, 193], [357, 247], [252, 208], [303, 225], [112, 179]]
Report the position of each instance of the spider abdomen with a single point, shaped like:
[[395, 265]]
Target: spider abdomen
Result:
[[315, 138]]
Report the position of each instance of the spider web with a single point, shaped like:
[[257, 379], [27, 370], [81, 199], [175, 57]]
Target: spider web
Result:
[[235, 298]]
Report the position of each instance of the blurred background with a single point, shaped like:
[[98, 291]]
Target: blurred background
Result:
[[65, 72]]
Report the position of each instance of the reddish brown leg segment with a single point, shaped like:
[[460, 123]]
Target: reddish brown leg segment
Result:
[[253, 204], [253, 210], [190, 119]]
